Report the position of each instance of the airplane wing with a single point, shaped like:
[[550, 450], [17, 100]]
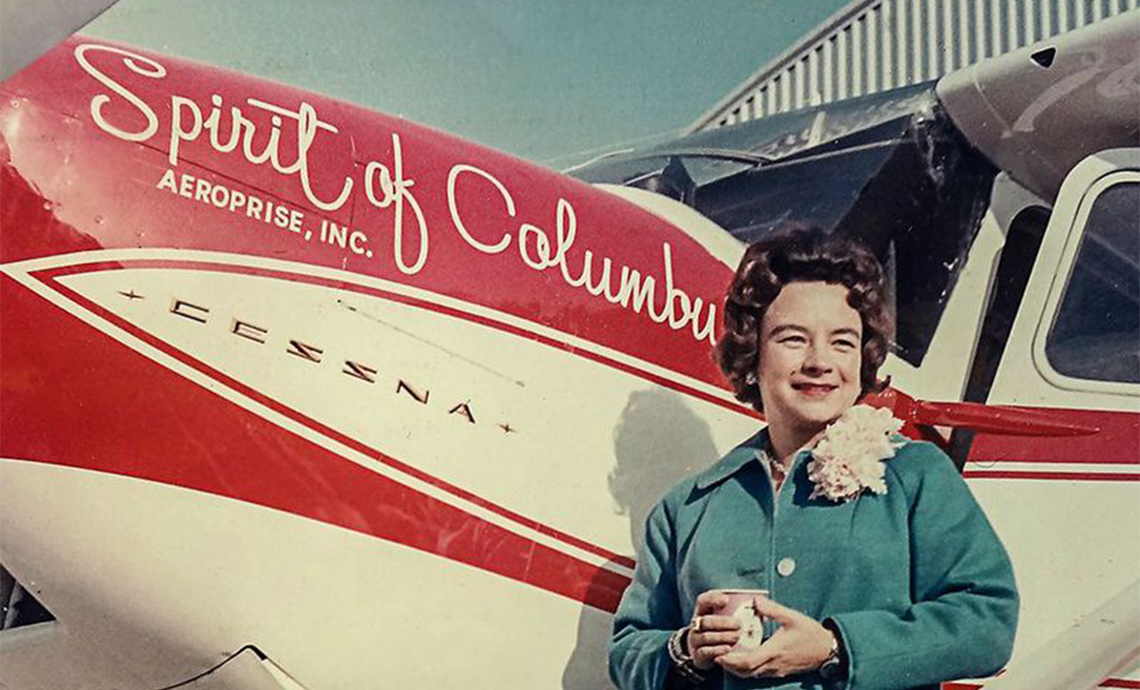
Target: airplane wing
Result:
[[30, 28]]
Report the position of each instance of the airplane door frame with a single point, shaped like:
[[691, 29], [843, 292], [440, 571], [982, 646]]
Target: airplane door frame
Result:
[[1025, 376]]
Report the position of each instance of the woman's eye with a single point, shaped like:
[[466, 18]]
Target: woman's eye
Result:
[[845, 344], [793, 340]]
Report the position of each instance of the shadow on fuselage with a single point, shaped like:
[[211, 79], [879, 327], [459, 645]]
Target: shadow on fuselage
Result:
[[657, 442]]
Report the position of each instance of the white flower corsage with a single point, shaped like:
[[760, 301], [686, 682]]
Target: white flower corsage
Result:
[[849, 456]]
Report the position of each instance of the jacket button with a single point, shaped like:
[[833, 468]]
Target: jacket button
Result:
[[786, 567]]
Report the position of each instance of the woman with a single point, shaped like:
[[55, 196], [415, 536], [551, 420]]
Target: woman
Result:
[[882, 571]]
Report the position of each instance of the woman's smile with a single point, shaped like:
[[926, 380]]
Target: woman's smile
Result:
[[815, 390]]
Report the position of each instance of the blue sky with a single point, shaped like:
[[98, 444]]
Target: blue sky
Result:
[[541, 79]]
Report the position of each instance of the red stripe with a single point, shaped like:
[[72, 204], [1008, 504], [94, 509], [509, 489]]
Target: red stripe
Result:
[[1116, 441], [1062, 455], [1061, 476], [394, 297], [1110, 683], [313, 424], [181, 434]]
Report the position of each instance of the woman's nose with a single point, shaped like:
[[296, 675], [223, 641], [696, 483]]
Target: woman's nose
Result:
[[816, 361]]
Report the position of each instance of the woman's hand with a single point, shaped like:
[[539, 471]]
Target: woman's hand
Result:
[[800, 645], [711, 635]]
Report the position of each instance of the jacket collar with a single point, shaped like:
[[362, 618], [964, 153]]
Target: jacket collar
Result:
[[734, 461]]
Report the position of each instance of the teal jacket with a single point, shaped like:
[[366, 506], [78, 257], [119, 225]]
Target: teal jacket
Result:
[[916, 580]]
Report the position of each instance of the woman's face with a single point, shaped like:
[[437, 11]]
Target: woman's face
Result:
[[810, 356]]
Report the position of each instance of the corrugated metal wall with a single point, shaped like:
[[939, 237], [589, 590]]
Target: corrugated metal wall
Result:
[[875, 45]]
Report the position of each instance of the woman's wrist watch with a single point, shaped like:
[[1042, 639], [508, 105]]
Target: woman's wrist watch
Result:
[[834, 667], [679, 655]]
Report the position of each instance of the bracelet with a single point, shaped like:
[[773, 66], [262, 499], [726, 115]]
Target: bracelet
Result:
[[679, 655]]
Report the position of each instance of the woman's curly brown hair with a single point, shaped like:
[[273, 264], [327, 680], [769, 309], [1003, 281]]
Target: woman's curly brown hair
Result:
[[800, 254]]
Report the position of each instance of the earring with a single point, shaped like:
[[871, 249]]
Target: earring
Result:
[[750, 378]]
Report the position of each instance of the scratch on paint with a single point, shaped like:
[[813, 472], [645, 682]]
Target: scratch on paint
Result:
[[529, 560], [430, 343]]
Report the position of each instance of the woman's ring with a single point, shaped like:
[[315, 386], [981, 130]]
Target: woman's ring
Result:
[[696, 624]]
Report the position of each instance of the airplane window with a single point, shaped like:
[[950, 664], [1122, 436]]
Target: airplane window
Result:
[[1096, 333]]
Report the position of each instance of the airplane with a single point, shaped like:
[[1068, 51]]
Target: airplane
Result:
[[295, 394]]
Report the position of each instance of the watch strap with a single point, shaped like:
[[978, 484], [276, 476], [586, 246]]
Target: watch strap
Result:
[[834, 667]]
